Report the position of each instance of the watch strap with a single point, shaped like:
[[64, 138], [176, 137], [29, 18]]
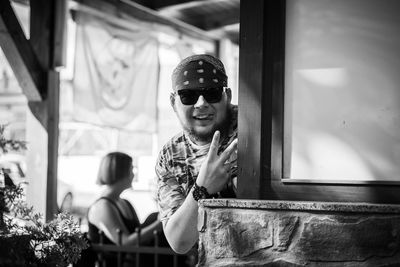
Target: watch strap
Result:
[[199, 192]]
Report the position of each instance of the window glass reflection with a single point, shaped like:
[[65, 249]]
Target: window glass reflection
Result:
[[342, 94]]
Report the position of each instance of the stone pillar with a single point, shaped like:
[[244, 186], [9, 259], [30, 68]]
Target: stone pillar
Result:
[[283, 233]]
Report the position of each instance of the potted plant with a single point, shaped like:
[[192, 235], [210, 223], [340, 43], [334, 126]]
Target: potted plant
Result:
[[25, 239]]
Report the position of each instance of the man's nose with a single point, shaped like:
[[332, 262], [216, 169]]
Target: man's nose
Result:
[[201, 101]]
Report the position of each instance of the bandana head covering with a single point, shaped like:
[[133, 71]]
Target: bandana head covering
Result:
[[199, 71]]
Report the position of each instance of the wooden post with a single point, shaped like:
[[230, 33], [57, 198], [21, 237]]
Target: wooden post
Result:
[[251, 87], [155, 234], [261, 61], [2, 202], [2, 205], [100, 255], [45, 22], [119, 255], [137, 230]]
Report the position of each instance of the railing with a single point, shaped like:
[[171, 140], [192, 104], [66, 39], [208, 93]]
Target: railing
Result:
[[101, 249]]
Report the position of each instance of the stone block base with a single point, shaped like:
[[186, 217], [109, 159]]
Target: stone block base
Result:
[[279, 233]]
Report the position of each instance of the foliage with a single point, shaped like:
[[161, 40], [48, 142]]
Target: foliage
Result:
[[25, 239], [7, 145]]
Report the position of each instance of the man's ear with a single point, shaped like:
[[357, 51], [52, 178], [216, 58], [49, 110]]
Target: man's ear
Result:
[[228, 93], [172, 100]]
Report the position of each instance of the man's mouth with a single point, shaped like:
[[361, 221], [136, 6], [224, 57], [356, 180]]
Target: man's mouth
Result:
[[203, 117]]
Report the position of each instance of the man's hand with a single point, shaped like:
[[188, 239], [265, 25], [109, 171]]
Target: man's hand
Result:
[[215, 170], [181, 229]]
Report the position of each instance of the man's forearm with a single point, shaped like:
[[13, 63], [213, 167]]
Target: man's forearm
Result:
[[181, 228]]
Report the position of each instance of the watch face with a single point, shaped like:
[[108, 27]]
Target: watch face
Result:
[[199, 192]]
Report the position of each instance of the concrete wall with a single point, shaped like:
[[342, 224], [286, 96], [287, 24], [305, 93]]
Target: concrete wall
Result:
[[278, 233]]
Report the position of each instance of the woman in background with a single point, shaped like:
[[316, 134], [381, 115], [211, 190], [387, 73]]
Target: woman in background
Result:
[[111, 212]]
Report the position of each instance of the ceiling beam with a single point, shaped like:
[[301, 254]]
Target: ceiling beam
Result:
[[206, 15], [182, 5], [158, 4], [22, 2], [20, 54], [132, 9], [212, 22], [230, 32]]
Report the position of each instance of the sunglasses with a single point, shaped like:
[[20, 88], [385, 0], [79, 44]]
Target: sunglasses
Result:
[[190, 96]]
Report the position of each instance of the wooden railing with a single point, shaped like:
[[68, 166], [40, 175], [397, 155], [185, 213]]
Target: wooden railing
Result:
[[102, 249]]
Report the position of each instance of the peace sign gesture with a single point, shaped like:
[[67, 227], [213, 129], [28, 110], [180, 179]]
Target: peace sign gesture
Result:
[[214, 172]]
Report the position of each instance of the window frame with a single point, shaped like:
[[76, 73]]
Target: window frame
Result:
[[261, 101]]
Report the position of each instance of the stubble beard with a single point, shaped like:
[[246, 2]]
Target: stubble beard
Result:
[[223, 127]]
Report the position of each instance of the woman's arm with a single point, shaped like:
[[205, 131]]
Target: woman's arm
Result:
[[107, 218], [146, 234]]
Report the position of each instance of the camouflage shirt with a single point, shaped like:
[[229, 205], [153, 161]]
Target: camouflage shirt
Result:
[[178, 165]]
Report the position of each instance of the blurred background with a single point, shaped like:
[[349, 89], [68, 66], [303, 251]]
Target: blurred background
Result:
[[114, 96], [341, 114]]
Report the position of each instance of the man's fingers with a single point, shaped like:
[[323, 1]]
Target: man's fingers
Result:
[[214, 145], [228, 151]]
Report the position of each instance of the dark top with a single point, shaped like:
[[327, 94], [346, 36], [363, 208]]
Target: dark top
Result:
[[130, 224], [129, 259]]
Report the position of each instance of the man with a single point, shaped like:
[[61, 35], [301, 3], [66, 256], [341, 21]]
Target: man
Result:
[[201, 161]]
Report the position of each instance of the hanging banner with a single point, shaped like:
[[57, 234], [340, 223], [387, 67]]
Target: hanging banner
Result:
[[116, 75]]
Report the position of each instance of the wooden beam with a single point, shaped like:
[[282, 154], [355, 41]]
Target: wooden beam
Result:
[[230, 32], [251, 93], [22, 2], [158, 4], [20, 54], [53, 109], [60, 33], [209, 22], [44, 41], [205, 15], [128, 8], [176, 6]]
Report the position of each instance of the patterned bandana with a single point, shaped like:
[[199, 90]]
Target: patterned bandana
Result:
[[199, 71]]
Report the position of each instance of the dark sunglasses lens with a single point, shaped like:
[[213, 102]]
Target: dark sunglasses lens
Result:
[[213, 95], [188, 97]]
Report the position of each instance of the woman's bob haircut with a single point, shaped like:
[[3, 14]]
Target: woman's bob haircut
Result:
[[114, 167]]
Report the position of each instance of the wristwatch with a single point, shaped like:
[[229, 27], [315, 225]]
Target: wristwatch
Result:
[[199, 192]]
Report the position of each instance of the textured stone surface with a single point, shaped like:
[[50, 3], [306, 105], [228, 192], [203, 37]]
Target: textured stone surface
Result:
[[337, 238], [300, 205], [324, 234], [238, 235], [285, 230]]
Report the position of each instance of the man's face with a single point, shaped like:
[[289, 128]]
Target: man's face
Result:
[[202, 119]]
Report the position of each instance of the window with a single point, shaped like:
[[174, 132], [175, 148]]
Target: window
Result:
[[342, 105], [291, 70]]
